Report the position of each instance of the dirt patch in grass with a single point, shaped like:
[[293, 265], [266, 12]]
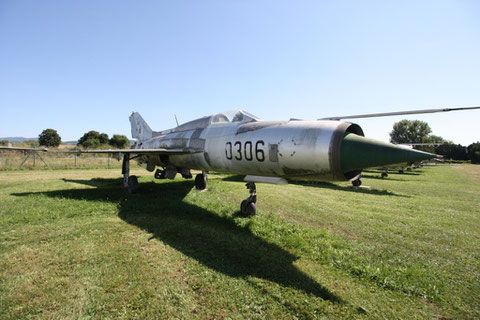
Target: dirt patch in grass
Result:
[[470, 170]]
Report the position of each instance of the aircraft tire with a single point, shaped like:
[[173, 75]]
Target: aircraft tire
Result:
[[248, 208], [132, 184], [384, 174], [200, 182], [159, 174], [357, 183]]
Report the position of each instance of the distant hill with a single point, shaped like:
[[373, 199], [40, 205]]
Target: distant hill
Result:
[[22, 139], [18, 139]]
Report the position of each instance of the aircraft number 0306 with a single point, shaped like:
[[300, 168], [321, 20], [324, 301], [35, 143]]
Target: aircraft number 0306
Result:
[[245, 151]]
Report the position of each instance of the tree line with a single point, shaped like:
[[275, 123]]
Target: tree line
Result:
[[91, 139], [416, 131]]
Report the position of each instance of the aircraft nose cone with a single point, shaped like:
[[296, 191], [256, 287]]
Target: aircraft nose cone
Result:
[[358, 153]]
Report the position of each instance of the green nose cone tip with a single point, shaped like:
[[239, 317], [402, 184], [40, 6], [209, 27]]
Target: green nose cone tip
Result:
[[358, 152]]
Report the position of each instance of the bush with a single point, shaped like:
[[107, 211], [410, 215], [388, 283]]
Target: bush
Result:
[[27, 144], [119, 141], [93, 139]]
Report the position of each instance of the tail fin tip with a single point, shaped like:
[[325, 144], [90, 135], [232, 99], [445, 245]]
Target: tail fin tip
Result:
[[140, 129]]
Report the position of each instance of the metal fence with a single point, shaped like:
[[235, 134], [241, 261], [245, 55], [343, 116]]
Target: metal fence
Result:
[[10, 159]]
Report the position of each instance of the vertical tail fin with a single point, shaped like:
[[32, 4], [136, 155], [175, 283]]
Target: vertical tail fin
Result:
[[140, 129]]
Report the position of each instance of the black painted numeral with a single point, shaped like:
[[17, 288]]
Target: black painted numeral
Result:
[[228, 150], [248, 151], [238, 156], [260, 155]]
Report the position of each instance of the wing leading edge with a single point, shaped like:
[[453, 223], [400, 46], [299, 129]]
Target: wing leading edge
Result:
[[400, 113]]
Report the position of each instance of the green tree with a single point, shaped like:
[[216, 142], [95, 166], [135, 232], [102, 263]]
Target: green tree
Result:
[[119, 141], [452, 151], [49, 138], [93, 139], [103, 138], [4, 143], [410, 131], [474, 152]]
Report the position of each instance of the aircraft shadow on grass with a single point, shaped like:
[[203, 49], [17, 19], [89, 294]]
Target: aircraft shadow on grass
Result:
[[406, 173], [329, 185], [215, 241], [378, 177]]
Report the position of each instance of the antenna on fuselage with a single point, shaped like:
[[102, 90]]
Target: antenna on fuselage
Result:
[[176, 120]]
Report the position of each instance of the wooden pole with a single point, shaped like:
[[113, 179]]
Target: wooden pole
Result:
[[24, 160]]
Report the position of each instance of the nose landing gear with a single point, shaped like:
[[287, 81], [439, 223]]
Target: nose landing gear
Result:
[[247, 207]]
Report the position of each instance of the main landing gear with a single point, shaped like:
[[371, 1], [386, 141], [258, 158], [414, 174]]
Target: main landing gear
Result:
[[247, 206], [160, 174], [201, 181], [129, 182]]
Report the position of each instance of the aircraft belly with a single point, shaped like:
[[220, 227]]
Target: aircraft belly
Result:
[[191, 161]]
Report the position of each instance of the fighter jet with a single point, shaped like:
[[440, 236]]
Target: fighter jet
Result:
[[265, 151]]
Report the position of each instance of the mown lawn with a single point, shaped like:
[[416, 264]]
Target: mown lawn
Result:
[[74, 245]]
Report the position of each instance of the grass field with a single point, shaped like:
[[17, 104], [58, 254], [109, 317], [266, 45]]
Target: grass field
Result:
[[74, 245]]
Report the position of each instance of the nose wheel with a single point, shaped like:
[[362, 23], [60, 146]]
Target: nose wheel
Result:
[[247, 207]]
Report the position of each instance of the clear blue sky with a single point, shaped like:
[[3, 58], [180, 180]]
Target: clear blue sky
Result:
[[80, 65]]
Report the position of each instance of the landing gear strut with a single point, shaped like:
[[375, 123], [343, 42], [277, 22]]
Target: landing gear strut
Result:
[[129, 182], [201, 181], [247, 206]]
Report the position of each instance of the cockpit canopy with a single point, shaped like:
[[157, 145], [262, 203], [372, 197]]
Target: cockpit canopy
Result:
[[233, 116], [222, 117]]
